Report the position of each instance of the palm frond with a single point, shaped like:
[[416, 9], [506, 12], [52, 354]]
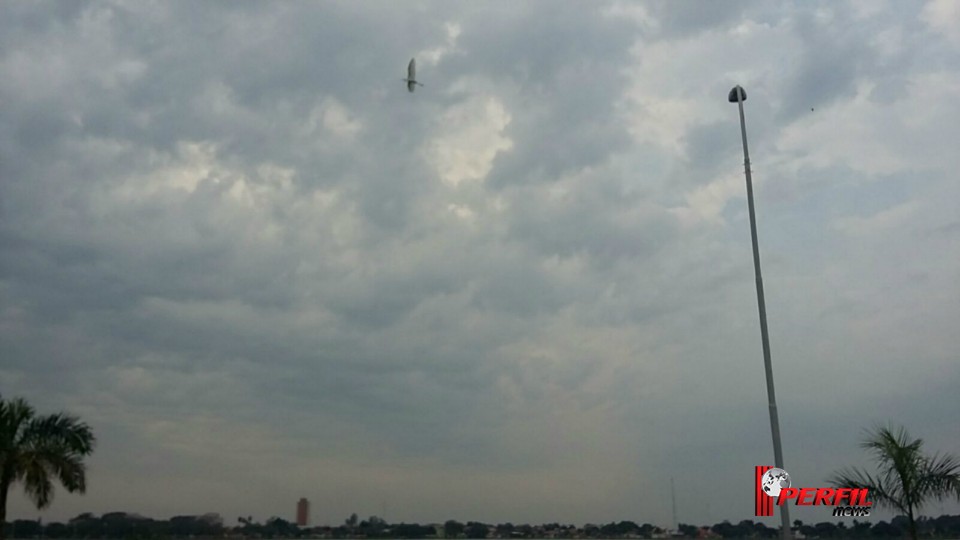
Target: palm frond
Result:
[[14, 416], [35, 451], [940, 477], [37, 484], [66, 430], [71, 472], [879, 490]]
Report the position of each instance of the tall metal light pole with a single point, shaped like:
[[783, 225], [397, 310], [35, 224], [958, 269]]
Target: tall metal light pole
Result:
[[738, 96]]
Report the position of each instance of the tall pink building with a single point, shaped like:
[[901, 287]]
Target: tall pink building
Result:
[[303, 512]]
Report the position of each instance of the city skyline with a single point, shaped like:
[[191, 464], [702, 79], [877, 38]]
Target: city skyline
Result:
[[348, 524], [234, 243]]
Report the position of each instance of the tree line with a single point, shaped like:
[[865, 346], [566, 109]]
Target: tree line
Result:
[[124, 526]]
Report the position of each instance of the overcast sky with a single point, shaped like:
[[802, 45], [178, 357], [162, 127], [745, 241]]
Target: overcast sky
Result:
[[234, 244]]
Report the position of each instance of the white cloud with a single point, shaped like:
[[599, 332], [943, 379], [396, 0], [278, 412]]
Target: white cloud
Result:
[[877, 224], [470, 136], [435, 55], [334, 117], [943, 17], [706, 203], [874, 137]]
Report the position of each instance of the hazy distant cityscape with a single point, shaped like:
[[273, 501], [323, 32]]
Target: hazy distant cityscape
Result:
[[121, 525]]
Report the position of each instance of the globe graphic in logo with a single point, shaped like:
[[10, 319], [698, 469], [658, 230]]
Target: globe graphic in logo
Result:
[[774, 480]]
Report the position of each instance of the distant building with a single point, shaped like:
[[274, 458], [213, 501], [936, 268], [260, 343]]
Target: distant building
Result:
[[303, 512]]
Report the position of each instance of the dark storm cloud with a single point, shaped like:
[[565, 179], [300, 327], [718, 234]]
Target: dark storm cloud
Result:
[[683, 18], [830, 66], [595, 219], [833, 61], [707, 151], [560, 72]]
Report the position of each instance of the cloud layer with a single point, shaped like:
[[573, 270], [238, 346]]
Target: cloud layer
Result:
[[235, 244]]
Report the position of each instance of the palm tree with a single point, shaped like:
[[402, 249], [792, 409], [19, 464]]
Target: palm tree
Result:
[[906, 479], [36, 449]]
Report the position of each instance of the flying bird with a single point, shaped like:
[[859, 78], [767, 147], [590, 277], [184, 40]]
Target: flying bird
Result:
[[412, 75]]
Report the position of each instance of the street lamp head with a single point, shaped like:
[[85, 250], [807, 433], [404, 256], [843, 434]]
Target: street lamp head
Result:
[[733, 97]]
